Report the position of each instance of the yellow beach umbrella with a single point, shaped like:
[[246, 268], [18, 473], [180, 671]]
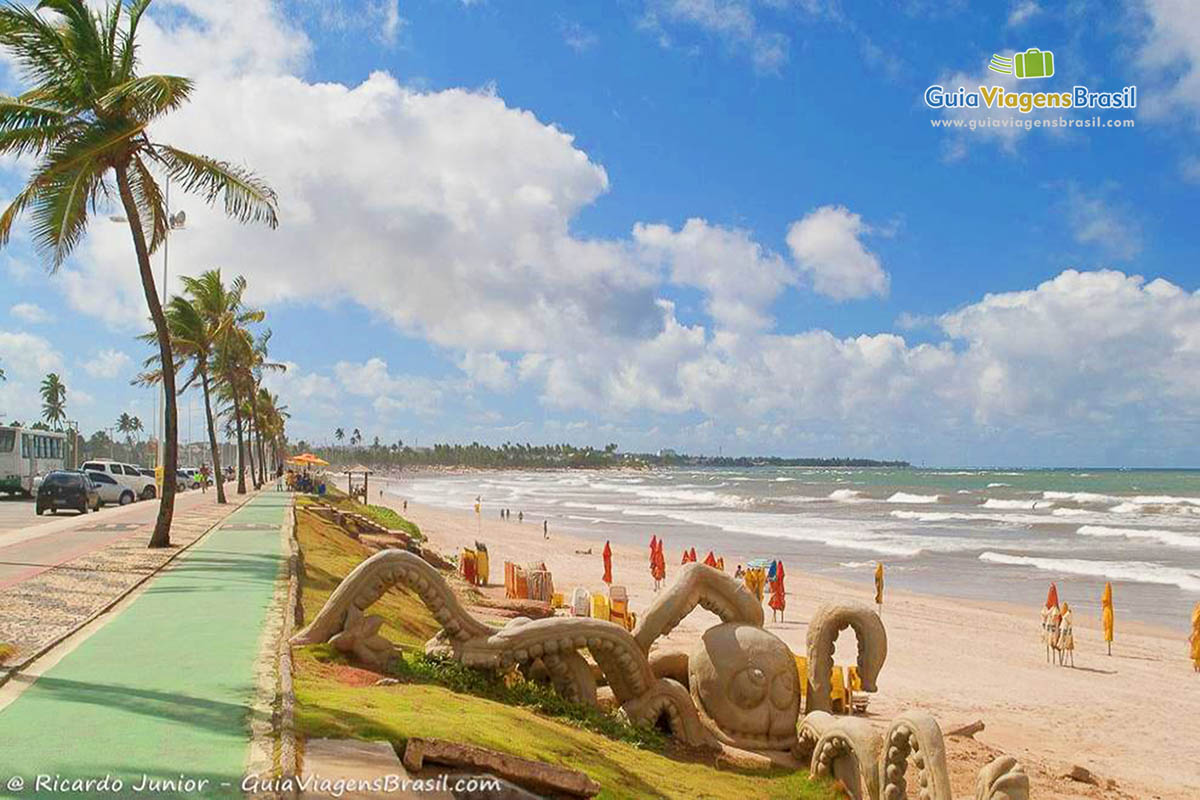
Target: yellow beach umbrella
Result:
[[311, 459], [1107, 615], [879, 585], [1196, 637]]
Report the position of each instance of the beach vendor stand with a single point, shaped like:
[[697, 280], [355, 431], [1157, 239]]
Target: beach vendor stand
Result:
[[352, 488]]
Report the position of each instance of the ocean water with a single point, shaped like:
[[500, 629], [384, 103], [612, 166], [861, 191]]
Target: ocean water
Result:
[[980, 534]]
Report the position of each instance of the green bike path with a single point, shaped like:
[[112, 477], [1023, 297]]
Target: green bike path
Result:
[[165, 688]]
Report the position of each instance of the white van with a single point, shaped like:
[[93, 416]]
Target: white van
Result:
[[126, 475]]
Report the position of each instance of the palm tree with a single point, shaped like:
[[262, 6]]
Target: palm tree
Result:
[[199, 320], [125, 426], [54, 400], [355, 437], [3, 377], [339, 434], [87, 115]]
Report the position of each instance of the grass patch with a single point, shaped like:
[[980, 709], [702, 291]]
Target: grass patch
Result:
[[442, 699], [381, 514]]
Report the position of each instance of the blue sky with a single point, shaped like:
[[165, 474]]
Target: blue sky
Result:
[[704, 224]]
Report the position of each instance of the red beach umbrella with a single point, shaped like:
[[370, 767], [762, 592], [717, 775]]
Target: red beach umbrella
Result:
[[607, 563], [778, 599], [710, 559], [1052, 597], [653, 554]]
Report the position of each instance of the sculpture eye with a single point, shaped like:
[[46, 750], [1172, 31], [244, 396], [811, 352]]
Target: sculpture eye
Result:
[[783, 690], [748, 687]]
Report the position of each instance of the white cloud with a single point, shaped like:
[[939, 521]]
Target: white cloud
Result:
[[107, 363], [26, 354], [1022, 11], [993, 125], [734, 22], [827, 244], [1170, 53], [488, 369], [738, 276], [578, 38], [1098, 221], [30, 312], [392, 393]]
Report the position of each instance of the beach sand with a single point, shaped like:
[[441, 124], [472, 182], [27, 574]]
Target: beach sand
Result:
[[1132, 719]]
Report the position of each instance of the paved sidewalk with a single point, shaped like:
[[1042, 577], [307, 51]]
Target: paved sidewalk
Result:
[[164, 690], [94, 564]]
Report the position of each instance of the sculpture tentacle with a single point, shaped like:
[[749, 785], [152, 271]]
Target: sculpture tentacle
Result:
[[368, 582], [697, 585], [848, 750], [809, 733], [571, 677], [1002, 779], [669, 697], [827, 622], [915, 735]]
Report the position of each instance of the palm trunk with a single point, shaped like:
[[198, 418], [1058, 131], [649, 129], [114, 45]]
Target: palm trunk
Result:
[[212, 438], [166, 508], [250, 449], [262, 466], [237, 419]]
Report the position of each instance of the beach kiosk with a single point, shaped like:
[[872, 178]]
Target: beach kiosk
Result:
[[350, 472]]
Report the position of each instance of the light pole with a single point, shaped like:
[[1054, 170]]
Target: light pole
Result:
[[174, 222]]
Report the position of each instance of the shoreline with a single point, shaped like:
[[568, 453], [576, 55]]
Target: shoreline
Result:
[[961, 660]]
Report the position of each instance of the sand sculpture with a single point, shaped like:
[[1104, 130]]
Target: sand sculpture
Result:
[[738, 687]]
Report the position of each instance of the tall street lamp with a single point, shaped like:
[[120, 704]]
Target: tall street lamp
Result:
[[174, 222]]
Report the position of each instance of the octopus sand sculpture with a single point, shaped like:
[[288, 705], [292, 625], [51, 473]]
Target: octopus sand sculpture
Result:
[[737, 688]]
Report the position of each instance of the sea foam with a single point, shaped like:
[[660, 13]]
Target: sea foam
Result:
[[1136, 571]]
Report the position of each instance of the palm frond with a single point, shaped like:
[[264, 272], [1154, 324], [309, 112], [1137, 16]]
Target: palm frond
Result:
[[152, 208], [127, 58], [60, 211], [247, 197], [147, 97]]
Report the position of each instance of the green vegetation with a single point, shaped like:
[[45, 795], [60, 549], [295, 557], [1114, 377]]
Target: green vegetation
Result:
[[82, 121], [445, 700]]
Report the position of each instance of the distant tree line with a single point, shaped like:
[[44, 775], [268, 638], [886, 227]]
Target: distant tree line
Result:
[[512, 455]]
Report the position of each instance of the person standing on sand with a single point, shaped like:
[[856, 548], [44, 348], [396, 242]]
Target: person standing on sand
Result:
[[545, 529], [520, 516]]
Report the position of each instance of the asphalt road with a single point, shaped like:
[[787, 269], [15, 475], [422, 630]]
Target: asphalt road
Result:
[[30, 544]]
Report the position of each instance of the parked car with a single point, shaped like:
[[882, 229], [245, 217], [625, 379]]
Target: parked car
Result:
[[186, 477], [67, 489], [143, 486], [110, 490]]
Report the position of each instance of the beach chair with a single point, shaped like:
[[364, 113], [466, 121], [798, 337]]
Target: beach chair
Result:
[[581, 602], [481, 567], [618, 609], [557, 600], [466, 565], [600, 607], [802, 671], [858, 699], [837, 694]]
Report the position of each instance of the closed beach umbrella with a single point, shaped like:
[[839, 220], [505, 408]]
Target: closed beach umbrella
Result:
[[1107, 614], [660, 560], [685, 556], [710, 559], [692, 555], [879, 584], [1052, 597], [653, 555], [607, 563], [778, 601], [1196, 637]]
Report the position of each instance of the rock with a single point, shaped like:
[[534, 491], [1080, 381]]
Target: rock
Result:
[[535, 775], [386, 682], [968, 730], [1081, 775]]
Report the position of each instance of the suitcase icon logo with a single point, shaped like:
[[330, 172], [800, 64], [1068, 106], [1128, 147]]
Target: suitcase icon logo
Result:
[[1033, 63]]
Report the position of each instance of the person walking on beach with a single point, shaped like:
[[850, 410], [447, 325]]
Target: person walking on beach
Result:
[[545, 529], [520, 516], [204, 478]]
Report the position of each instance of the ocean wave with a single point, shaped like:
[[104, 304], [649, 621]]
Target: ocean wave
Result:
[[1072, 512], [797, 498], [1165, 500], [1172, 538], [844, 534], [847, 496], [1134, 571], [1083, 498], [905, 497], [997, 485], [1012, 505], [855, 564]]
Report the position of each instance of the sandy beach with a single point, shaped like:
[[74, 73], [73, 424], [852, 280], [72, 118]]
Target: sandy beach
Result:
[[1130, 719]]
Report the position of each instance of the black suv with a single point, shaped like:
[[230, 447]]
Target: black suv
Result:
[[67, 489]]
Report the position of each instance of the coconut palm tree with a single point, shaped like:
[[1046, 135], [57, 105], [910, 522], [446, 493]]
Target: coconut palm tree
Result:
[[356, 437], [54, 400], [3, 377], [85, 117], [339, 434]]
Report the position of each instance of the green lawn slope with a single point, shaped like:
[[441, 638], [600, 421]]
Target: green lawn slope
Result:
[[337, 699]]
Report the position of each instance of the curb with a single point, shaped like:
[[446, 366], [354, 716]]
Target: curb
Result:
[[289, 762], [14, 670]]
